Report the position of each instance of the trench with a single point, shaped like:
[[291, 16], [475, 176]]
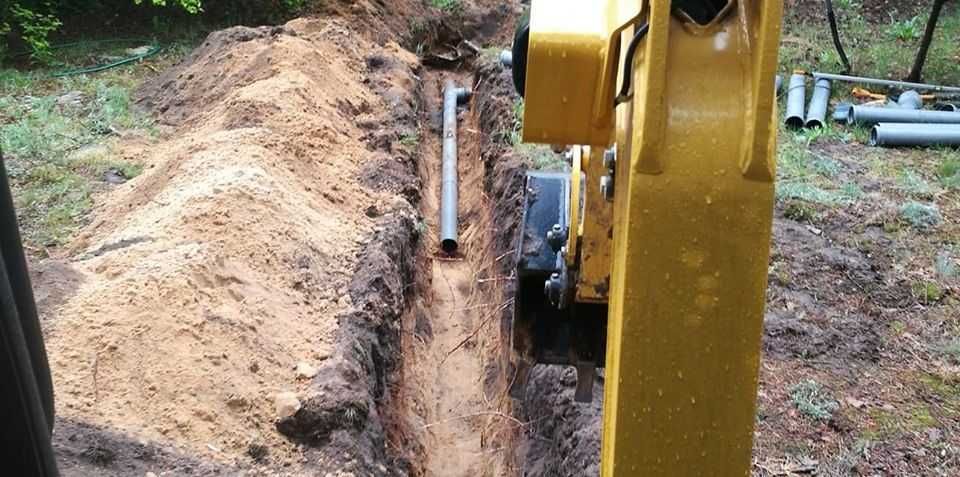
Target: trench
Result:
[[454, 395]]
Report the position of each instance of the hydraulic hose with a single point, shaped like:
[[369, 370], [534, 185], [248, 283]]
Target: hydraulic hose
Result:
[[835, 33]]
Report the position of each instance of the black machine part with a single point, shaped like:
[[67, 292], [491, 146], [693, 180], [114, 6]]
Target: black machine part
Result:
[[26, 403], [547, 330]]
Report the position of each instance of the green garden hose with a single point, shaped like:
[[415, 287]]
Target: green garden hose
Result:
[[106, 66]]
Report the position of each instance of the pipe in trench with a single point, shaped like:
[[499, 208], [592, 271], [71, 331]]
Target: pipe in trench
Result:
[[449, 195], [796, 99], [868, 115], [883, 82], [913, 134], [817, 111], [506, 59]]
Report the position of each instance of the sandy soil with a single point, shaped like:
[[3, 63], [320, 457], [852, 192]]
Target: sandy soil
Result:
[[210, 285], [454, 384]]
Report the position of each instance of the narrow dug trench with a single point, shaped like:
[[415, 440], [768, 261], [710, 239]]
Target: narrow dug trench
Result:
[[454, 388]]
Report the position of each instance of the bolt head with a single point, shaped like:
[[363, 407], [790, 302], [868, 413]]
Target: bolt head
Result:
[[606, 188], [609, 159]]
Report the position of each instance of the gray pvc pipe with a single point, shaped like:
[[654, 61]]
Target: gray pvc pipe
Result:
[[817, 111], [883, 82], [946, 107], [913, 134], [506, 58], [777, 84], [910, 100], [841, 112], [796, 99], [867, 115], [449, 195]]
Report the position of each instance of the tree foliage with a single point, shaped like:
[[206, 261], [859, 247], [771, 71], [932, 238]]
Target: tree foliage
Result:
[[28, 25]]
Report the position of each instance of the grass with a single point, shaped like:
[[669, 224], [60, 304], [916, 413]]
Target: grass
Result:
[[881, 50], [949, 173], [812, 400], [921, 216], [808, 177], [449, 6], [927, 292], [57, 135], [906, 30]]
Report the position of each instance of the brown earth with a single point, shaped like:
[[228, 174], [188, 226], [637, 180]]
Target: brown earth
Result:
[[224, 276], [286, 225], [242, 305]]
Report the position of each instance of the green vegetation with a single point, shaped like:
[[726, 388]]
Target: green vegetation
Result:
[[877, 50], [906, 30], [800, 211], [927, 292], [28, 27], [449, 6], [949, 173], [57, 135], [951, 351], [812, 400], [921, 216], [410, 139], [806, 176], [912, 184]]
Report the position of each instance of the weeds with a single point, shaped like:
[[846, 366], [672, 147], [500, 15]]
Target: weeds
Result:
[[811, 400], [927, 292], [449, 6], [911, 183], [921, 216], [951, 351], [410, 139], [949, 173], [800, 211], [55, 135], [906, 30]]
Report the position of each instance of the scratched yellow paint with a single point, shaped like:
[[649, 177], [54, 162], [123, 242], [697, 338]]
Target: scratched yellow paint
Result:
[[691, 218], [692, 224]]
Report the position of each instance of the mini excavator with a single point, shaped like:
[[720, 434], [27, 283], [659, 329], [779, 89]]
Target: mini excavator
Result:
[[649, 257]]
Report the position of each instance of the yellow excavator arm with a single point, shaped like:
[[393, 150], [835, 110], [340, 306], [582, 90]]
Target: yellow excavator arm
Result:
[[650, 257]]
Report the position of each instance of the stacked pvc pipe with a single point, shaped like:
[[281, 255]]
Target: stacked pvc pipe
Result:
[[796, 99], [915, 134], [817, 111], [868, 115]]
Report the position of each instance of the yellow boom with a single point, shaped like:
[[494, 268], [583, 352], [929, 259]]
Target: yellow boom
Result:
[[669, 225]]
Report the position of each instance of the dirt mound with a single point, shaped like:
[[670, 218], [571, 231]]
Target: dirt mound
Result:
[[217, 284]]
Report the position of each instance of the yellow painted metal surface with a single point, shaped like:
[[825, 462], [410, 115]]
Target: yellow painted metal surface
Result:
[[692, 221], [571, 68], [596, 237], [576, 197]]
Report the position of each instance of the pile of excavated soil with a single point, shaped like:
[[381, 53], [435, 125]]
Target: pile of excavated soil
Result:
[[247, 280]]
